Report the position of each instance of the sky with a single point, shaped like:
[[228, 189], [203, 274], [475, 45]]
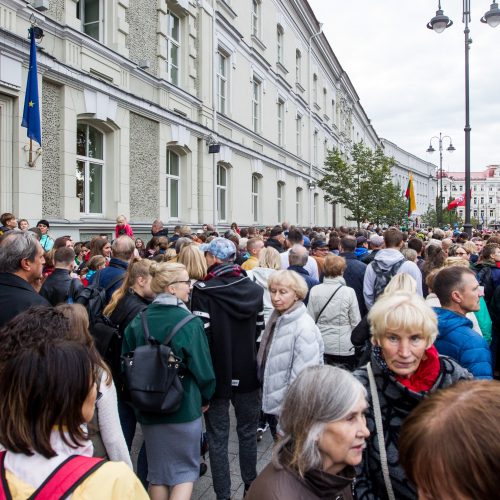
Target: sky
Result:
[[411, 81]]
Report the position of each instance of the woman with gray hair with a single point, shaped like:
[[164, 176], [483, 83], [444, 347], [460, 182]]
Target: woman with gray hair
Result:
[[324, 433]]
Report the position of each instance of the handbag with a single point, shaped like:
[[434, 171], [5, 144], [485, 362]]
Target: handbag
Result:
[[152, 372]]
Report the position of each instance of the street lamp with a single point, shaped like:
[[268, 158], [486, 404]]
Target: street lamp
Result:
[[438, 24], [430, 149]]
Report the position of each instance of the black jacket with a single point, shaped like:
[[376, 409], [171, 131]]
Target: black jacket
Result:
[[127, 309], [231, 308], [354, 276], [16, 295], [274, 243], [56, 287]]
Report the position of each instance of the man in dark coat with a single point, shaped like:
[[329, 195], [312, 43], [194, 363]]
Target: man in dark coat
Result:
[[276, 239], [355, 270], [297, 258], [231, 307], [56, 287], [21, 266]]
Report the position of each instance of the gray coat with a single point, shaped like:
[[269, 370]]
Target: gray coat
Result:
[[296, 344]]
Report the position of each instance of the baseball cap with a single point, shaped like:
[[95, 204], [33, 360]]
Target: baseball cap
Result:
[[221, 248], [376, 240], [318, 244]]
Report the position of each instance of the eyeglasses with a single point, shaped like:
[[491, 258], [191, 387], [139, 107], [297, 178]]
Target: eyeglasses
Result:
[[187, 282]]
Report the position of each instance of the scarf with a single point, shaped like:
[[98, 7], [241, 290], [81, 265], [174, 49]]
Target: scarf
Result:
[[167, 299], [228, 269], [424, 378], [267, 337]]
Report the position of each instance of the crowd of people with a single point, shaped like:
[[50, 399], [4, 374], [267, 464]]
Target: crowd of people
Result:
[[361, 351]]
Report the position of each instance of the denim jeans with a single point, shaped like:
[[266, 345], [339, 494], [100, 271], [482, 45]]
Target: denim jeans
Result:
[[129, 423], [247, 408]]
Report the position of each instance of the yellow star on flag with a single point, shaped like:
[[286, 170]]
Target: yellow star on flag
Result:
[[31, 104]]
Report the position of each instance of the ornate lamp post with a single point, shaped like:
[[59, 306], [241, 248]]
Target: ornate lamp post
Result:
[[430, 149], [439, 23]]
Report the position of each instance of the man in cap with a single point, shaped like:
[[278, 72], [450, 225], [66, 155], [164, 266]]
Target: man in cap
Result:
[[231, 307], [276, 239], [376, 244]]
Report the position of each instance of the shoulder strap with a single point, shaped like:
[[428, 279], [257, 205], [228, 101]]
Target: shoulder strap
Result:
[[327, 302], [63, 480], [380, 433], [177, 327], [4, 487], [67, 477]]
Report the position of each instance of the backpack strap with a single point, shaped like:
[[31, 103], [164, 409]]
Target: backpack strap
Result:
[[170, 336], [4, 487], [327, 302], [63, 480]]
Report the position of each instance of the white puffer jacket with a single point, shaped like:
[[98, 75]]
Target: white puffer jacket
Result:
[[340, 316], [261, 276], [296, 344]]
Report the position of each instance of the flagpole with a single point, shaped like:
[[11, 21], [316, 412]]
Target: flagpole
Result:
[[30, 158]]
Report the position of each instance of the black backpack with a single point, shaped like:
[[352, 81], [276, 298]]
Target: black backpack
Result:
[[152, 372], [383, 276]]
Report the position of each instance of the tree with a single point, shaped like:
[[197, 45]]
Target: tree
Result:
[[363, 186], [430, 218]]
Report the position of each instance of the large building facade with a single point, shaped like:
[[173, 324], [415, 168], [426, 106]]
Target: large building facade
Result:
[[134, 92]]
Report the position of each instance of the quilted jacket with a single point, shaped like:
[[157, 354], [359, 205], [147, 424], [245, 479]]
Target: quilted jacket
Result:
[[459, 341], [296, 344]]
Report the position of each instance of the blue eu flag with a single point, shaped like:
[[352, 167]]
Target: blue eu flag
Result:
[[31, 113]]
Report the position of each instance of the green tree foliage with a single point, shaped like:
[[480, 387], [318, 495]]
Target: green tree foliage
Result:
[[364, 186]]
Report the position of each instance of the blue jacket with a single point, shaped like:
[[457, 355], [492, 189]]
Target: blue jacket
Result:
[[354, 276], [115, 269], [310, 281], [459, 341]]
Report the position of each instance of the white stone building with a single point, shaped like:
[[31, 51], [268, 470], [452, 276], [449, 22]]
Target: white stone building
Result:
[[485, 194], [423, 172], [132, 91]]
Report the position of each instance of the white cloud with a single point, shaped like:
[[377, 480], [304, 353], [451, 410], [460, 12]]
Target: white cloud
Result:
[[411, 81]]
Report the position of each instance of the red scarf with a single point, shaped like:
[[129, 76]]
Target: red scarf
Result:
[[427, 373]]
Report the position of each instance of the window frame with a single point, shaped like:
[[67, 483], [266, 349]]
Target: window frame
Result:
[[222, 190], [280, 40], [256, 104], [87, 160], [255, 17], [222, 82], [298, 133], [255, 197], [280, 195], [172, 42], [281, 121], [80, 14], [298, 204], [298, 66], [169, 180]]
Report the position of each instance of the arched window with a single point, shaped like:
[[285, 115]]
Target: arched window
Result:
[[221, 193], [280, 191], [89, 168], [255, 197], [298, 205], [173, 179]]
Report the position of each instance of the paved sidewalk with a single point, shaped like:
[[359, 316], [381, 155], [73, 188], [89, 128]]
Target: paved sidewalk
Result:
[[203, 489]]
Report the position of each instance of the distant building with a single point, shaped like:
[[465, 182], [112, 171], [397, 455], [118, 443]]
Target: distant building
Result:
[[424, 175], [485, 199]]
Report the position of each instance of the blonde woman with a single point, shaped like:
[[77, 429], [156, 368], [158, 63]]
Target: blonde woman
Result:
[[173, 440], [404, 368], [195, 262]]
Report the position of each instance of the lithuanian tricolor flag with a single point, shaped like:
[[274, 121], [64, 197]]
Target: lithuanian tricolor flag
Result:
[[410, 196]]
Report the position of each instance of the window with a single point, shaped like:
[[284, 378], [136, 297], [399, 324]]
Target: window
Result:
[[173, 47], [256, 94], [315, 88], [89, 168], [221, 193], [255, 197], [298, 66], [280, 192], [298, 204], [90, 14], [315, 148], [324, 101], [492, 213], [315, 207], [173, 184], [222, 83], [333, 111], [281, 122], [279, 43], [460, 188], [482, 200], [475, 213], [298, 133], [255, 18], [490, 199], [475, 200]]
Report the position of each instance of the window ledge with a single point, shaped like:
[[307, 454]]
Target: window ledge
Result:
[[299, 87], [257, 41], [317, 107], [227, 9], [281, 68]]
